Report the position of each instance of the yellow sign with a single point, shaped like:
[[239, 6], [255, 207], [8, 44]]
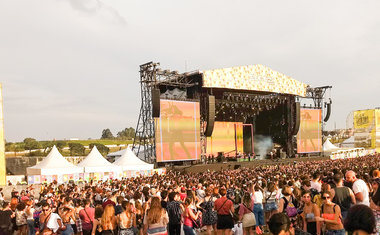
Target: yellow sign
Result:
[[2, 144], [255, 78], [364, 128]]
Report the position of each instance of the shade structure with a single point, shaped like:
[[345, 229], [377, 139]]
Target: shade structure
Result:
[[53, 164], [129, 161], [328, 146], [95, 162]]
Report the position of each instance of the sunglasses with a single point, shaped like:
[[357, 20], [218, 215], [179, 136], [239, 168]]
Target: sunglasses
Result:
[[45, 209], [324, 198]]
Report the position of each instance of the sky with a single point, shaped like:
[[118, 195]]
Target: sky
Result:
[[70, 68]]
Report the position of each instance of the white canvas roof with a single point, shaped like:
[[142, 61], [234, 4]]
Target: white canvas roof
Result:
[[95, 162], [117, 154], [129, 161], [348, 143], [328, 146], [53, 164]]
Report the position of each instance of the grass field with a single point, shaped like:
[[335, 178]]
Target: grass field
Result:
[[105, 142]]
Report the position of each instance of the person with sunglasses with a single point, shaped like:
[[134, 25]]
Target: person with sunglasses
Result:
[[331, 216], [50, 222]]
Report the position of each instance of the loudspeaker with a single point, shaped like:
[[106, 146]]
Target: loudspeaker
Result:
[[210, 115], [297, 121], [155, 103], [328, 112]]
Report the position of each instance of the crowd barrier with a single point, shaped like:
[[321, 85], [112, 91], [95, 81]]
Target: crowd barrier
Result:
[[351, 153]]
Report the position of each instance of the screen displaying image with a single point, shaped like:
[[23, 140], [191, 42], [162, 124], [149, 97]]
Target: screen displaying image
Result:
[[178, 131], [227, 137], [309, 137]]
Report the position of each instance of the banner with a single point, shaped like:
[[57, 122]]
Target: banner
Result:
[[253, 78]]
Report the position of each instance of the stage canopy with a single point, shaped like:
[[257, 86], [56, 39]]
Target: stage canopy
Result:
[[95, 162], [328, 146], [129, 161], [53, 164]]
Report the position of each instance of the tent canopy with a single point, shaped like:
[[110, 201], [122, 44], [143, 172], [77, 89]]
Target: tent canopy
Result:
[[95, 162], [328, 146], [129, 161], [53, 164], [348, 143]]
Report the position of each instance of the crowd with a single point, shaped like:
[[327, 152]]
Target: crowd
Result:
[[314, 197]]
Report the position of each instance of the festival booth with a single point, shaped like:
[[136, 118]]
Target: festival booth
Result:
[[133, 166], [97, 167], [54, 167]]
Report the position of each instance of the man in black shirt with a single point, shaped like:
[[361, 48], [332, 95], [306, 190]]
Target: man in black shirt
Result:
[[174, 209]]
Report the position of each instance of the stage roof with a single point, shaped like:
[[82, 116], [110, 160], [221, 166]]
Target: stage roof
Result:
[[253, 77]]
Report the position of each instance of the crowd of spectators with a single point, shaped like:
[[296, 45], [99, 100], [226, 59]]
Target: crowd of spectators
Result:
[[310, 197]]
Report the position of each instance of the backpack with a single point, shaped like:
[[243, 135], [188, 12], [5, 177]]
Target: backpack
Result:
[[290, 209], [313, 193], [198, 222]]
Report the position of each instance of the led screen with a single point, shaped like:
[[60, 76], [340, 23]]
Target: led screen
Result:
[[178, 131], [309, 137], [365, 128], [226, 137]]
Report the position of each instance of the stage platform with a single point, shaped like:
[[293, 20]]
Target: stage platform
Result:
[[234, 165]]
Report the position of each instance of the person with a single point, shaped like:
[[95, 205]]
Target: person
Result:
[[209, 216], [87, 217], [288, 203], [139, 217], [96, 228], [29, 217], [342, 195], [331, 216], [156, 218], [246, 214], [21, 219], [174, 210], [67, 213], [118, 207], [5, 219], [258, 209], [375, 201], [189, 217], [270, 195], [360, 221], [359, 187], [315, 182], [50, 222], [224, 208], [108, 221], [127, 219], [309, 212], [280, 224]]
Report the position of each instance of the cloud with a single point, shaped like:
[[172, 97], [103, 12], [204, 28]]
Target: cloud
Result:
[[97, 7]]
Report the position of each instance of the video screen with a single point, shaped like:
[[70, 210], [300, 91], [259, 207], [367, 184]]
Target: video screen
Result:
[[309, 137], [365, 128], [178, 131], [226, 138]]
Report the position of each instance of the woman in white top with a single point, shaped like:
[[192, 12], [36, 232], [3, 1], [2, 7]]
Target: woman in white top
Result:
[[270, 197], [258, 209], [29, 217]]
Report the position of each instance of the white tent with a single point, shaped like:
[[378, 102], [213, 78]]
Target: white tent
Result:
[[328, 146], [129, 161], [117, 154], [53, 164], [95, 162]]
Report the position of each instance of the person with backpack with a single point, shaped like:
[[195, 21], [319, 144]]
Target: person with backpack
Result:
[[246, 214], [342, 195], [331, 216], [87, 217], [288, 203]]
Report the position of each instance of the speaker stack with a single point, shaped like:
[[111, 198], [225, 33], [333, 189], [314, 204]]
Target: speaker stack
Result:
[[210, 115]]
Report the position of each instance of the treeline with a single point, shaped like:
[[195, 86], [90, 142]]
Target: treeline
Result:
[[126, 134], [42, 148]]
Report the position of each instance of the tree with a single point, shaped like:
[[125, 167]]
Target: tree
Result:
[[76, 149], [107, 134], [60, 144], [127, 133], [46, 145], [104, 150], [31, 144]]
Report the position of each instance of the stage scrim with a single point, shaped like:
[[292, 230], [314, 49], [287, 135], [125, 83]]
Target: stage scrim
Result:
[[309, 137], [178, 131], [227, 137]]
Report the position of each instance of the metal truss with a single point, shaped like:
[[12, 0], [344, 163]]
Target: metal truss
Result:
[[144, 143], [317, 94]]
